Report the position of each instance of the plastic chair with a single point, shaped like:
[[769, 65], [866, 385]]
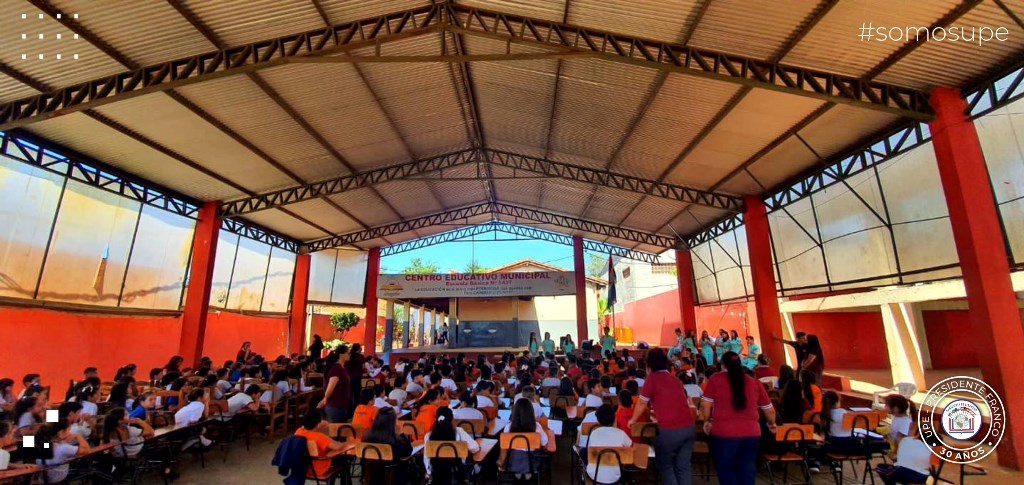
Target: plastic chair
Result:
[[905, 389], [795, 435]]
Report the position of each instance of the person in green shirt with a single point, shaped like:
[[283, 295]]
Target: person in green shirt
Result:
[[533, 346], [568, 346], [607, 343], [548, 344]]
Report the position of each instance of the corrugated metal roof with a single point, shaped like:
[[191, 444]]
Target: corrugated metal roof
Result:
[[752, 28], [611, 204], [241, 105], [139, 30], [340, 11], [238, 22], [161, 119], [938, 63], [565, 196], [553, 10], [285, 224], [345, 115], [682, 108], [759, 118], [12, 89], [322, 213], [597, 101], [365, 206], [412, 198], [834, 45], [96, 140], [67, 71], [663, 20], [651, 215]]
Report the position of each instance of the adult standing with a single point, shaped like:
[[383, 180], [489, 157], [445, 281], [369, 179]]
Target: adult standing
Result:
[[814, 362], [442, 336], [664, 393], [336, 402], [730, 407], [608, 344], [799, 345], [354, 368], [244, 353], [568, 345], [316, 348]]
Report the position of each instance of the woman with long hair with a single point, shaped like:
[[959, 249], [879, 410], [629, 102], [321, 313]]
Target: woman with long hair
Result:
[[664, 394], [786, 374], [118, 427], [811, 391], [730, 408], [722, 344], [793, 403], [244, 352], [707, 348], [568, 346], [445, 430], [317, 347], [533, 345], [384, 431]]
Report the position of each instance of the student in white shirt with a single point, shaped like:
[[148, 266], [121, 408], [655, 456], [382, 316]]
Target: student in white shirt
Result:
[[64, 446], [192, 413], [524, 421], [241, 401], [131, 433], [913, 461], [596, 397], [901, 420], [606, 435], [445, 430], [467, 408], [71, 413], [6, 439], [448, 383], [280, 382], [398, 394], [484, 397], [530, 394], [379, 400], [552, 379], [222, 381], [415, 386], [88, 397]]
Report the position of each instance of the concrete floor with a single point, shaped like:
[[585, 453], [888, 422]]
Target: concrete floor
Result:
[[253, 467]]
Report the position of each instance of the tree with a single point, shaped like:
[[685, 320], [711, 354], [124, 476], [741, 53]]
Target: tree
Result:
[[597, 265], [417, 266], [602, 308], [474, 268]]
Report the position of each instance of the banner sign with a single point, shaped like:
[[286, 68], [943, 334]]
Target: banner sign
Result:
[[487, 285]]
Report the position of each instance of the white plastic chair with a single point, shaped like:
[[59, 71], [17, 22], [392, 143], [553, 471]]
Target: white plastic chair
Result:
[[772, 381], [905, 389]]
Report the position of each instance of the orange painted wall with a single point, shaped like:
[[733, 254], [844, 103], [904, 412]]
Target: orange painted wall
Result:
[[945, 330], [655, 319], [58, 344]]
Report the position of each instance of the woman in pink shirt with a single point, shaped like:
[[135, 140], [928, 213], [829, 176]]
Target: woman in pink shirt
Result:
[[730, 406]]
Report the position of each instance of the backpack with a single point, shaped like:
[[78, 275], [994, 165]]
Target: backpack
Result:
[[522, 462]]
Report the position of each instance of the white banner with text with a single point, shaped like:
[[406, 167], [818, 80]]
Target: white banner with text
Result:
[[487, 285]]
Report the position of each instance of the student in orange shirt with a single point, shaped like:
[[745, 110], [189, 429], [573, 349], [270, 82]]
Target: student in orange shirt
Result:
[[625, 412], [314, 429], [428, 410], [812, 393], [365, 412]]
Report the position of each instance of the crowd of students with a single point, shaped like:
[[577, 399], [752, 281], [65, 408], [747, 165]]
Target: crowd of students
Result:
[[437, 390]]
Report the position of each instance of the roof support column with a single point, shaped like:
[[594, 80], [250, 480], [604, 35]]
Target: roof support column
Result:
[[300, 300], [407, 323], [687, 302], [197, 302], [370, 301], [977, 232], [389, 331], [766, 302], [580, 271]]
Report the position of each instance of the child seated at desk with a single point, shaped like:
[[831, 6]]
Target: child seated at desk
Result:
[[365, 412], [315, 429], [444, 429], [64, 446], [130, 432], [192, 413], [606, 435], [597, 393], [385, 431], [467, 408], [524, 421], [71, 413], [428, 409]]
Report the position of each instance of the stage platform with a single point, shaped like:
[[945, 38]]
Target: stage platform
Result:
[[440, 349]]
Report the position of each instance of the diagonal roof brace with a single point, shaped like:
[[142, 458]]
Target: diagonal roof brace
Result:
[[494, 209], [548, 168]]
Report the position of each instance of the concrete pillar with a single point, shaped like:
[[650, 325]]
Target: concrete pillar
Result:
[[787, 334], [197, 302], [977, 231], [406, 323], [428, 319], [300, 293], [899, 322], [687, 302], [370, 301], [581, 289], [453, 322], [389, 330], [762, 274]]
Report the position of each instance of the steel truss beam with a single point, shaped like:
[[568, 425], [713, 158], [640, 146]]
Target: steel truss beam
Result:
[[260, 234], [990, 95], [516, 230], [688, 60], [220, 63], [35, 152], [547, 168], [614, 180], [493, 209], [461, 19]]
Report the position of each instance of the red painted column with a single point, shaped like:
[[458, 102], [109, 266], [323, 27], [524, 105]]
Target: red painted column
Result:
[[197, 298], [300, 299], [762, 274], [687, 304], [581, 289], [370, 301], [994, 316]]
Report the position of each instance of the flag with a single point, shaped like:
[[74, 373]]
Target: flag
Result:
[[611, 282], [101, 271]]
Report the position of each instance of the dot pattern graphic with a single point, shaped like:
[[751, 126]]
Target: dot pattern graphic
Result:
[[29, 46]]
